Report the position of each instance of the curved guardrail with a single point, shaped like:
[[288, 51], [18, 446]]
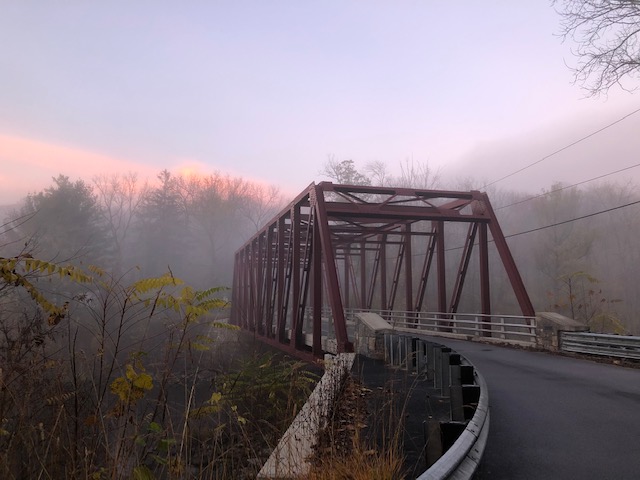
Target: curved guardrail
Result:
[[444, 367], [462, 459]]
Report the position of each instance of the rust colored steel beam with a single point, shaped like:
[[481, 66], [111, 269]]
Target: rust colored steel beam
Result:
[[462, 269], [441, 270], [384, 304], [317, 292], [408, 271], [331, 274], [426, 270], [390, 213], [396, 193], [485, 293], [373, 276], [396, 275], [507, 259], [295, 275]]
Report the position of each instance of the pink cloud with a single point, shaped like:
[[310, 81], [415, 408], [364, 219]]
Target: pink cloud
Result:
[[28, 165]]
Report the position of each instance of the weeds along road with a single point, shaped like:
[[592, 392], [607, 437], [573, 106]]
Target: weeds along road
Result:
[[555, 417]]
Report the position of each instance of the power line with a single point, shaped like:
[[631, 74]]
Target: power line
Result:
[[559, 223], [568, 186], [563, 148], [573, 219]]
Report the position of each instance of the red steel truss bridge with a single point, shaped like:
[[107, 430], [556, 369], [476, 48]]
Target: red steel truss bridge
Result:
[[338, 247]]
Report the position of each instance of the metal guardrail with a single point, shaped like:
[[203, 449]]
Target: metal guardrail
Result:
[[621, 346], [505, 327], [436, 361], [461, 461]]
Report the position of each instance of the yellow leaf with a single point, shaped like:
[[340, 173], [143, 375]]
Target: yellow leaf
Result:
[[130, 372], [121, 388], [142, 472], [143, 381]]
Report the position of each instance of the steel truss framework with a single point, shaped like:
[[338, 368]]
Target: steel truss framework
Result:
[[340, 246]]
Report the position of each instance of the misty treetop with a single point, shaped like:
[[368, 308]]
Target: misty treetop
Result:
[[187, 223], [65, 222]]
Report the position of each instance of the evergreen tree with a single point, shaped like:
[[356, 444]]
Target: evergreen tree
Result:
[[162, 226], [66, 223]]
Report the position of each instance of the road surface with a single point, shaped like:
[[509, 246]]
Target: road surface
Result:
[[555, 417]]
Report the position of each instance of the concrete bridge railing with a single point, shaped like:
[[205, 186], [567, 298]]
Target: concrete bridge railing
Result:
[[547, 330], [543, 331]]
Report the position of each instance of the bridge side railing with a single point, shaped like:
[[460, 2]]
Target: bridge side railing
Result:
[[504, 327], [510, 328], [621, 346]]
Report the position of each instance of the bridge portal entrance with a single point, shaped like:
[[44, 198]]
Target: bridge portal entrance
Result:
[[336, 247]]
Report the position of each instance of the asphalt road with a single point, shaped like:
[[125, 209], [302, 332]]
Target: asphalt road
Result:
[[555, 417]]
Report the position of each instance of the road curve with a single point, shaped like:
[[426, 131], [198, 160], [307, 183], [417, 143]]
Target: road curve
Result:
[[555, 417]]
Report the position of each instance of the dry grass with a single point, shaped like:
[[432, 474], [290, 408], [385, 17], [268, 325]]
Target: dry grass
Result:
[[344, 451], [361, 464]]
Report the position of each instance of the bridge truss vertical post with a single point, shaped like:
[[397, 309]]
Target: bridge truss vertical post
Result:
[[485, 292], [280, 246], [363, 276], [442, 272], [317, 292], [295, 268], [408, 272], [335, 299], [384, 305], [269, 276]]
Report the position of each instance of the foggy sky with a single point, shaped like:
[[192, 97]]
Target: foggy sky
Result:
[[269, 90], [545, 150]]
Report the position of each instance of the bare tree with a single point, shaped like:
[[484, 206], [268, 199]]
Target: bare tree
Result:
[[344, 172], [607, 34], [417, 175], [120, 196], [264, 202], [378, 172]]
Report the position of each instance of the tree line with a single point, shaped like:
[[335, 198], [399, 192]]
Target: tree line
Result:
[[190, 224], [581, 267]]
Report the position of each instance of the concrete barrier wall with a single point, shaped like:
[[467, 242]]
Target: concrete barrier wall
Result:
[[290, 457]]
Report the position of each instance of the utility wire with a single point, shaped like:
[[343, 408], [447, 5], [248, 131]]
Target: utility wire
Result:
[[567, 187], [563, 148], [556, 224], [573, 219]]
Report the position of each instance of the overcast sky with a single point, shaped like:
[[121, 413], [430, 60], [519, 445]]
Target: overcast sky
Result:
[[269, 89]]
